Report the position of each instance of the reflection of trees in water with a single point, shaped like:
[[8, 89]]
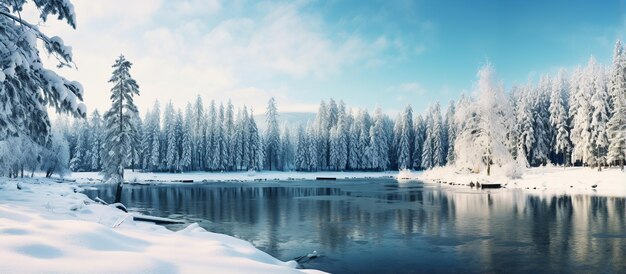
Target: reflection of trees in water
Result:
[[494, 231]]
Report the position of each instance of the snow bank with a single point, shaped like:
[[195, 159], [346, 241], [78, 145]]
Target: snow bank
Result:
[[243, 176], [49, 227], [546, 180]]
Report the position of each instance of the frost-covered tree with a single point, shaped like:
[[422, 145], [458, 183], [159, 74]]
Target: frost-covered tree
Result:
[[229, 135], [55, 155], [526, 125], [302, 146], [169, 127], [616, 127], [559, 120], [197, 134], [27, 89], [599, 119], [81, 156], [185, 158], [286, 151], [583, 88], [119, 128], [438, 137], [481, 141], [378, 142], [255, 145], [154, 137], [541, 122], [97, 135], [427, 147], [272, 135], [404, 149], [450, 135], [420, 136]]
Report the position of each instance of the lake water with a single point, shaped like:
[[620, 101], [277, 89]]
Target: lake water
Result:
[[381, 226]]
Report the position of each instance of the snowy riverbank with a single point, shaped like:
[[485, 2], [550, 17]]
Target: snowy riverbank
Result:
[[546, 180], [150, 177], [48, 227]]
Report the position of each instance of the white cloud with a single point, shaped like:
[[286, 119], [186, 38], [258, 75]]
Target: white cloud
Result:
[[245, 58]]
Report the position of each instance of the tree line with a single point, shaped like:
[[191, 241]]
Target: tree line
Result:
[[564, 119], [575, 118]]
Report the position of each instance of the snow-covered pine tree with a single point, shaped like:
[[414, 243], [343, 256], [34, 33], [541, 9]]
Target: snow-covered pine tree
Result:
[[420, 133], [119, 129], [450, 135], [580, 112], [185, 158], [137, 143], [229, 132], [27, 89], [97, 134], [155, 133], [221, 139], [438, 138], [198, 135], [427, 147], [313, 149], [322, 136], [559, 121], [525, 124], [378, 142], [541, 118], [286, 150], [302, 147], [481, 141], [616, 127], [599, 119], [81, 157], [255, 145], [169, 128], [395, 140], [272, 135], [404, 142], [210, 143]]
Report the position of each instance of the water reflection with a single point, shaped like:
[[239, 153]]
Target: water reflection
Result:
[[380, 226]]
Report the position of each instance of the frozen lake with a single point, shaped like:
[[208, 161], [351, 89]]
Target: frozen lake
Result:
[[381, 226]]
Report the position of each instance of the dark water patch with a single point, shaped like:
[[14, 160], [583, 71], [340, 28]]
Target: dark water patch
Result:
[[381, 226]]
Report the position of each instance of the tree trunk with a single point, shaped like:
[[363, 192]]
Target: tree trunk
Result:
[[118, 192]]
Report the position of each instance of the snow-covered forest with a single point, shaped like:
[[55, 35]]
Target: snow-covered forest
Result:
[[575, 118]]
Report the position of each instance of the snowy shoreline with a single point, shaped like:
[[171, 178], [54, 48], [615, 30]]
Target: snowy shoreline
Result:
[[206, 177], [52, 227], [541, 180]]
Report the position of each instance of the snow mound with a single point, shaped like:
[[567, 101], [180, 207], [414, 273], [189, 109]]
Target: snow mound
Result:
[[52, 229]]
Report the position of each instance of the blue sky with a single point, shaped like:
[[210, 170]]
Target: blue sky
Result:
[[367, 53]]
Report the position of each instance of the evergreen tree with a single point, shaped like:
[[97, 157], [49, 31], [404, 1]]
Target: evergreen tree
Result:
[[169, 128], [97, 135], [420, 135], [616, 127], [378, 142], [450, 133], [27, 89], [185, 158], [286, 150], [438, 137], [272, 135], [427, 147], [302, 147], [119, 129], [559, 121], [599, 119], [481, 140]]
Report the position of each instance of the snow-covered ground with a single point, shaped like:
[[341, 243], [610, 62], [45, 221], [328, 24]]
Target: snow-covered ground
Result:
[[47, 227], [546, 180], [149, 177]]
